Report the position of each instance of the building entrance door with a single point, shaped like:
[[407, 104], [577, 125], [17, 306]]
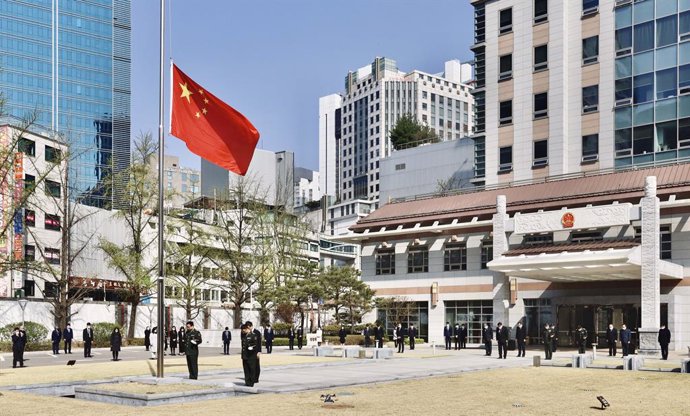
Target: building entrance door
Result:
[[569, 317]]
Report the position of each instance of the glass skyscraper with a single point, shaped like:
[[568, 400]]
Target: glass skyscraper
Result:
[[69, 61]]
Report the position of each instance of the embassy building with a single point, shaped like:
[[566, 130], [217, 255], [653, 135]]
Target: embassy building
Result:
[[583, 217]]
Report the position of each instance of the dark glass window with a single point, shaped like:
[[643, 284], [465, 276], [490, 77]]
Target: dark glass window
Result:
[[505, 67], [643, 90], [667, 31], [26, 146], [590, 50], [418, 260], [541, 153], [52, 222], [29, 252], [29, 218], [487, 252], [684, 78], [666, 136], [29, 182], [624, 39], [684, 132], [666, 83], [590, 99], [684, 26], [541, 105], [506, 21], [29, 288], [52, 255], [541, 57], [455, 257], [623, 89], [665, 248], [506, 112], [541, 10], [623, 139], [644, 37], [643, 139], [53, 155], [590, 147], [589, 6], [53, 188], [505, 158], [385, 262]]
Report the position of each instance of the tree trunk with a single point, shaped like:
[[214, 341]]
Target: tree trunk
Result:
[[237, 315], [133, 319]]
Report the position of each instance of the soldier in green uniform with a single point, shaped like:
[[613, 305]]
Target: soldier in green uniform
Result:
[[546, 339], [581, 335], [250, 348], [192, 340]]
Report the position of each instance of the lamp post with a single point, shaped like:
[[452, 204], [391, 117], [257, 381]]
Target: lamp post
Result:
[[22, 304]]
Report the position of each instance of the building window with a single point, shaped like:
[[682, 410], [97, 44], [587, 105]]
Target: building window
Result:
[[590, 7], [505, 159], [52, 222], [418, 260], [487, 252], [643, 139], [506, 21], [29, 218], [505, 112], [385, 262], [26, 146], [666, 83], [29, 252], [53, 155], [505, 67], [666, 31], [665, 242], [684, 26], [643, 37], [541, 57], [590, 50], [624, 41], [541, 153], [643, 90], [590, 99], [29, 182], [537, 239], [590, 148], [471, 313], [541, 105], [455, 257], [541, 11], [29, 288], [52, 255], [585, 236], [53, 188]]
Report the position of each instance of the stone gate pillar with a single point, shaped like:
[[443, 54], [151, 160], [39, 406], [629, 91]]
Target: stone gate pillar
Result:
[[501, 283], [651, 287]]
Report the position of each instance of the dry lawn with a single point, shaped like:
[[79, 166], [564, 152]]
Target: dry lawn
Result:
[[523, 391]]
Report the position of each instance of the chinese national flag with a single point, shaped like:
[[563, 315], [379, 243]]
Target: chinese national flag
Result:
[[210, 128]]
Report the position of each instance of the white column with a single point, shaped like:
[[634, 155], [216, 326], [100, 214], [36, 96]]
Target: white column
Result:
[[651, 288], [501, 284]]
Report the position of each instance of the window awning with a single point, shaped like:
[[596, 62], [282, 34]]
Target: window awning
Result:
[[582, 266]]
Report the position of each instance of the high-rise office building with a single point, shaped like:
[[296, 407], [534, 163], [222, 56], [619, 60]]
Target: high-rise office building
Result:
[[375, 98], [68, 62], [576, 86]]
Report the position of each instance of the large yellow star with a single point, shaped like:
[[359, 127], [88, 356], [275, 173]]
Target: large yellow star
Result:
[[185, 92]]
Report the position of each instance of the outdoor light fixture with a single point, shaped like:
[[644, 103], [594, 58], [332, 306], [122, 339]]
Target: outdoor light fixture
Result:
[[604, 402]]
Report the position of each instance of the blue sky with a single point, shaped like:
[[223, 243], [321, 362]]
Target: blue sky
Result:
[[273, 59]]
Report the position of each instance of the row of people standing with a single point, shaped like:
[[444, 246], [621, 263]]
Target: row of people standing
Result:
[[458, 334], [66, 335], [172, 339]]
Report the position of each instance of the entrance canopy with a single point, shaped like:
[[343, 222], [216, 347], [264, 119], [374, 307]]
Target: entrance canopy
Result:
[[582, 266]]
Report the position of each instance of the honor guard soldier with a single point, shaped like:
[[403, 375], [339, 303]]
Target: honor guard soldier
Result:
[[192, 341], [250, 349], [546, 339], [581, 339]]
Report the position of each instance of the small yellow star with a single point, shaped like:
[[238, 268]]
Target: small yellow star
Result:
[[185, 92], [205, 100], [203, 110], [197, 114], [201, 91]]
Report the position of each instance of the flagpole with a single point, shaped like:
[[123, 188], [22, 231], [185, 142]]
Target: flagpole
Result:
[[161, 163]]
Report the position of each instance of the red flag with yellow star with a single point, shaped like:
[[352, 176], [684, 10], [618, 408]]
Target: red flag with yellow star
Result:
[[210, 128]]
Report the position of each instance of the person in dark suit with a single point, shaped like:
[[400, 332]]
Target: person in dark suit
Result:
[[487, 337], [456, 336], [291, 338], [115, 343], [67, 336], [625, 337], [87, 336], [249, 355], [256, 332], [300, 332], [581, 337], [56, 336], [412, 333], [367, 336], [192, 340], [181, 339], [546, 339], [447, 334], [341, 335], [378, 335], [502, 335], [520, 338], [227, 337], [173, 339], [268, 335], [18, 345], [664, 339], [611, 338], [147, 338], [400, 333], [554, 338], [463, 336]]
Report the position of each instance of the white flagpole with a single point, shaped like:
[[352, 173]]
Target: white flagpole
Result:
[[161, 164]]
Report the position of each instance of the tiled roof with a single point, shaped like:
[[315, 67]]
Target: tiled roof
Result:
[[551, 194], [569, 246]]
